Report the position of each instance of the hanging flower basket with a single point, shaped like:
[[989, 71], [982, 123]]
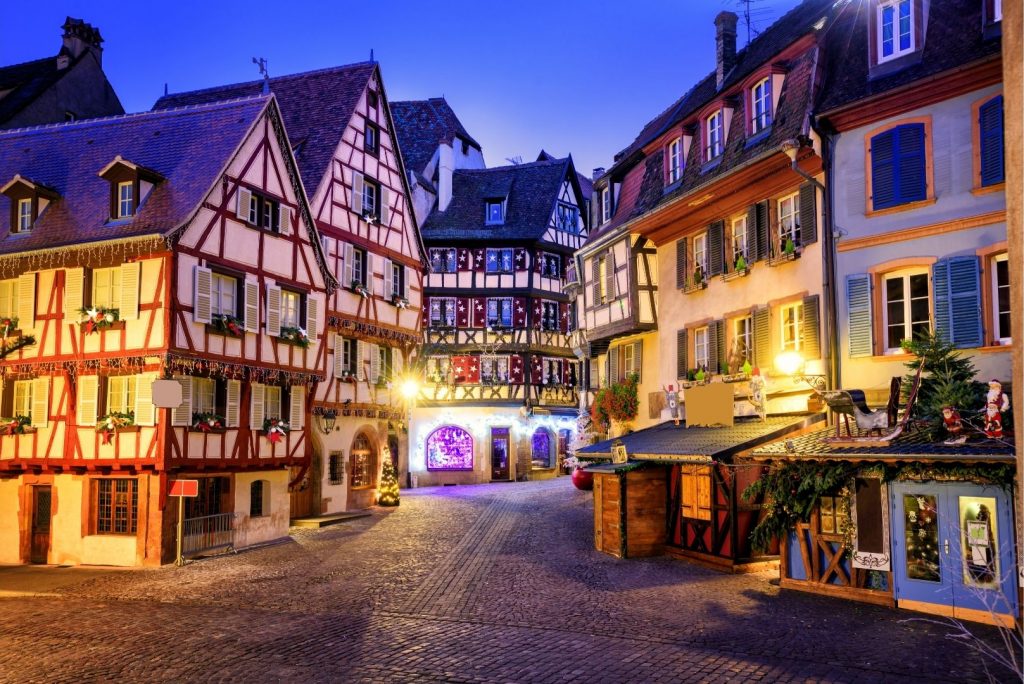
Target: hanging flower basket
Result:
[[98, 318], [275, 429], [18, 425], [228, 325], [208, 422], [296, 336], [111, 423]]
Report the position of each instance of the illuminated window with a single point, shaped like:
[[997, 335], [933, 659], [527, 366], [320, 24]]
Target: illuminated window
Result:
[[272, 402], [739, 240], [121, 393], [700, 348], [789, 221], [742, 337], [713, 141], [23, 398], [541, 451], [761, 98], [700, 254], [895, 29], [363, 463], [449, 448], [907, 308], [224, 295], [792, 316], [1001, 299], [106, 288], [116, 504], [204, 395]]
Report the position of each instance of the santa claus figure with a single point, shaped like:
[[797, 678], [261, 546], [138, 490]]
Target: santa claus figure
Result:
[[996, 403], [757, 393], [954, 426], [672, 399]]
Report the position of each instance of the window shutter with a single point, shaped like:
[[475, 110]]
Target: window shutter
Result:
[[965, 301], [858, 306], [252, 306], [371, 270], [40, 402], [613, 365], [284, 219], [712, 348], [405, 282], [360, 369], [297, 407], [348, 273], [202, 295], [244, 197], [762, 338], [596, 280], [763, 224], [26, 305], [810, 328], [273, 311], [257, 406], [681, 263], [74, 294], [312, 317], [638, 350], [681, 361], [182, 414], [716, 248], [385, 206], [940, 300], [357, 192], [233, 404], [130, 274], [753, 253], [389, 290], [374, 364], [990, 125], [610, 279], [883, 170], [808, 214], [88, 393], [339, 345], [719, 327], [145, 412], [912, 182]]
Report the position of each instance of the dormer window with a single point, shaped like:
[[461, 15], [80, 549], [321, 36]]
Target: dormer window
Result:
[[713, 146], [125, 199], [24, 223], [895, 29], [606, 205], [495, 212], [28, 201], [675, 160], [130, 184], [761, 106]]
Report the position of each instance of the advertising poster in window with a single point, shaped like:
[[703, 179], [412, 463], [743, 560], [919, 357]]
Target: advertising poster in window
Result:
[[979, 544]]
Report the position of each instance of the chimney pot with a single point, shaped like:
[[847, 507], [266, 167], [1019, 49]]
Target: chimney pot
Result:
[[725, 44], [80, 36], [598, 172]]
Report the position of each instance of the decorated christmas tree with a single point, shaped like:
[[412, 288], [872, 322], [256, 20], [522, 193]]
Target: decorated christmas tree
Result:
[[387, 493], [948, 380]]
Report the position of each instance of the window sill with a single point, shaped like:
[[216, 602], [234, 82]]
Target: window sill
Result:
[[779, 259], [334, 483], [988, 189], [734, 274], [125, 430], [116, 325], [695, 287], [712, 164], [15, 333], [293, 343], [886, 358], [223, 332], [211, 431], [758, 137], [909, 206], [995, 348]]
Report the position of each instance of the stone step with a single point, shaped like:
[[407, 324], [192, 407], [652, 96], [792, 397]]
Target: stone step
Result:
[[331, 519]]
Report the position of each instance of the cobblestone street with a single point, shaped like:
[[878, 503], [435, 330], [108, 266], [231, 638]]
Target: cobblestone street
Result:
[[489, 583]]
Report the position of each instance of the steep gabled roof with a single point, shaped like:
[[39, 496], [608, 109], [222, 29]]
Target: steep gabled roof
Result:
[[316, 107], [26, 82], [188, 147], [531, 189], [422, 125]]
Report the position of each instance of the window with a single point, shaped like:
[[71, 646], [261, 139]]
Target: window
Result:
[[1001, 298], [256, 499], [23, 398], [106, 288], [371, 99], [739, 241], [552, 372], [204, 395], [899, 166], [438, 368], [789, 221], [833, 515], [499, 260], [606, 205], [997, 10], [713, 137], [792, 316], [700, 254], [742, 337], [568, 218], [495, 212], [631, 360], [264, 212], [384, 360], [224, 295], [443, 260], [121, 393], [371, 139], [359, 266], [272, 402], [371, 197], [362, 463], [493, 370], [397, 280], [291, 309], [8, 297], [602, 279], [696, 492], [549, 316], [540, 448], [895, 29], [117, 502], [125, 199], [499, 312], [335, 468], [442, 312], [551, 265], [991, 160], [450, 448], [700, 348], [907, 308], [348, 356], [761, 101], [24, 216], [675, 160]]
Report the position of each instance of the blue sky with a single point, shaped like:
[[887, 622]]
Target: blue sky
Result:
[[570, 77]]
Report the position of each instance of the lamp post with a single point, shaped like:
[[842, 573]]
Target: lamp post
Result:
[[327, 420]]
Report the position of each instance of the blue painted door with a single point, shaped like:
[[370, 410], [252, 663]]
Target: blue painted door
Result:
[[953, 545]]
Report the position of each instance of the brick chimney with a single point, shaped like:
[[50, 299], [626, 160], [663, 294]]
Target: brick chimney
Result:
[[725, 44], [80, 37], [598, 172]]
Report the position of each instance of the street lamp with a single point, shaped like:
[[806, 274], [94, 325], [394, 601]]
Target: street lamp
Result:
[[409, 388], [327, 420], [794, 365]]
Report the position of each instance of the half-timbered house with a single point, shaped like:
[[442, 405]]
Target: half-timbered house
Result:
[[340, 129], [167, 245]]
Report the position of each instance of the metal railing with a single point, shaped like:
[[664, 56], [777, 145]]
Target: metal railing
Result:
[[208, 533]]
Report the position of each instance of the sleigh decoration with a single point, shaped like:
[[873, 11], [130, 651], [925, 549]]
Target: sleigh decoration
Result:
[[879, 426]]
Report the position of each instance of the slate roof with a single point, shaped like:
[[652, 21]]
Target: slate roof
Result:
[[954, 38], [914, 445], [531, 188], [316, 107], [422, 125], [666, 442], [189, 147]]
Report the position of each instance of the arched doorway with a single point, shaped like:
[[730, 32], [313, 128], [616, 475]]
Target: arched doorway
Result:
[[362, 472]]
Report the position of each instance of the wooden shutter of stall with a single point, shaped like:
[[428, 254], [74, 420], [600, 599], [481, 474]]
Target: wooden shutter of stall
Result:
[[244, 198], [26, 304], [312, 317], [145, 412], [273, 310], [130, 275], [74, 294], [40, 402], [182, 414], [762, 338], [257, 406], [716, 248], [88, 396], [296, 407], [681, 360], [251, 291], [233, 404], [357, 192], [858, 311], [202, 295], [810, 328], [808, 214], [681, 263]]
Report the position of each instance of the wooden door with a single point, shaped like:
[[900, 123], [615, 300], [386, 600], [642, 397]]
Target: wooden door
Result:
[[500, 448], [41, 497], [302, 493]]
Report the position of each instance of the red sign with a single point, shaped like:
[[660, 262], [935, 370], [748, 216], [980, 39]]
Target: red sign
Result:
[[184, 488]]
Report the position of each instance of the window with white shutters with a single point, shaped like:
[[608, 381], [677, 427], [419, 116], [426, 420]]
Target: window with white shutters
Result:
[[121, 393], [8, 298], [106, 288], [23, 398], [272, 401], [87, 396]]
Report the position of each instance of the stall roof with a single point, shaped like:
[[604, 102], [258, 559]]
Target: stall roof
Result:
[[666, 442], [915, 446]]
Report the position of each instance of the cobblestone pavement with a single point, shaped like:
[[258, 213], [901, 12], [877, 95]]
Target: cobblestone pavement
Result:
[[490, 583]]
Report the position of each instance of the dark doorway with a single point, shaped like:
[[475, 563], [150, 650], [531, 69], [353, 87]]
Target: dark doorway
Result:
[[41, 499], [500, 447]]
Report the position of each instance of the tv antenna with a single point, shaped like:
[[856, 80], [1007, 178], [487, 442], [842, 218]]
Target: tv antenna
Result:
[[264, 72]]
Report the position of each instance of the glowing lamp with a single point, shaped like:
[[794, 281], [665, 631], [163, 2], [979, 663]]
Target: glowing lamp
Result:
[[789, 363], [410, 388]]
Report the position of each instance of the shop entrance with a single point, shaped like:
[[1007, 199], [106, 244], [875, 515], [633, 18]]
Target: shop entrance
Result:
[[40, 549], [500, 448]]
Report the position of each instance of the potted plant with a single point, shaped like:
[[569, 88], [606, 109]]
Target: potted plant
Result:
[[8, 326], [296, 336], [357, 286], [227, 325], [741, 263], [18, 425], [400, 301]]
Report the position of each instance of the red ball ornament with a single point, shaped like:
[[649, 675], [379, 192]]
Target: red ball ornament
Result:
[[581, 479]]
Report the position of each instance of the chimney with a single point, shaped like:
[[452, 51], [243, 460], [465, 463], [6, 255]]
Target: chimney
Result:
[[598, 172], [445, 167], [725, 44], [80, 37]]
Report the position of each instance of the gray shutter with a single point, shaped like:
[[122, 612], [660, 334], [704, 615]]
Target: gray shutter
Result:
[[763, 230], [681, 361], [357, 192], [752, 252], [251, 306], [609, 286], [810, 328], [681, 263], [312, 317], [145, 411], [232, 408], [723, 356], [712, 348], [182, 414], [257, 406], [762, 338], [965, 300], [613, 365], [638, 350], [273, 311], [202, 295], [716, 248], [858, 306], [808, 214], [595, 277]]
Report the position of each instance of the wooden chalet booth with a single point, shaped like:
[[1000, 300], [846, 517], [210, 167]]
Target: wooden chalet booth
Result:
[[917, 524], [689, 481]]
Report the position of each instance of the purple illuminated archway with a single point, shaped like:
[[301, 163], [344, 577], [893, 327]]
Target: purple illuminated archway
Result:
[[449, 447]]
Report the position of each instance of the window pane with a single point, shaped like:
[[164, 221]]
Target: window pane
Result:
[[921, 527], [918, 286]]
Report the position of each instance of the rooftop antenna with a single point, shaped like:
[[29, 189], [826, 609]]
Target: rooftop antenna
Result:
[[262, 64], [165, 88], [515, 161], [371, 54], [751, 13]]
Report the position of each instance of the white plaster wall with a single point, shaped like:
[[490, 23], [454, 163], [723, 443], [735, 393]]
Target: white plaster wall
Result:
[[10, 508], [274, 523]]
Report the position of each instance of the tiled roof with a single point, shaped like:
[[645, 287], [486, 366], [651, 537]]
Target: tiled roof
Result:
[[666, 442], [316, 107], [913, 445], [27, 81], [188, 147], [422, 125], [531, 190], [954, 38]]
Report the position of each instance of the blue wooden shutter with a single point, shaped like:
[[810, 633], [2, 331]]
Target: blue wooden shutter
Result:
[[883, 170], [990, 125], [965, 300], [858, 306], [940, 300], [911, 177]]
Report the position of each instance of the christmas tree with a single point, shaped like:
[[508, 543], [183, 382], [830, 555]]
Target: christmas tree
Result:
[[387, 493], [948, 380]]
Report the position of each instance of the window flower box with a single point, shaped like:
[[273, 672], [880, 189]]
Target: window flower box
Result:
[[208, 422], [18, 425], [347, 377], [400, 302], [789, 250], [275, 429], [100, 318], [295, 336], [359, 288], [229, 326], [9, 327], [112, 423], [695, 282]]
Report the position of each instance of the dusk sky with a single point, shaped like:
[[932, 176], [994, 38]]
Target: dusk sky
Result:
[[569, 77]]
